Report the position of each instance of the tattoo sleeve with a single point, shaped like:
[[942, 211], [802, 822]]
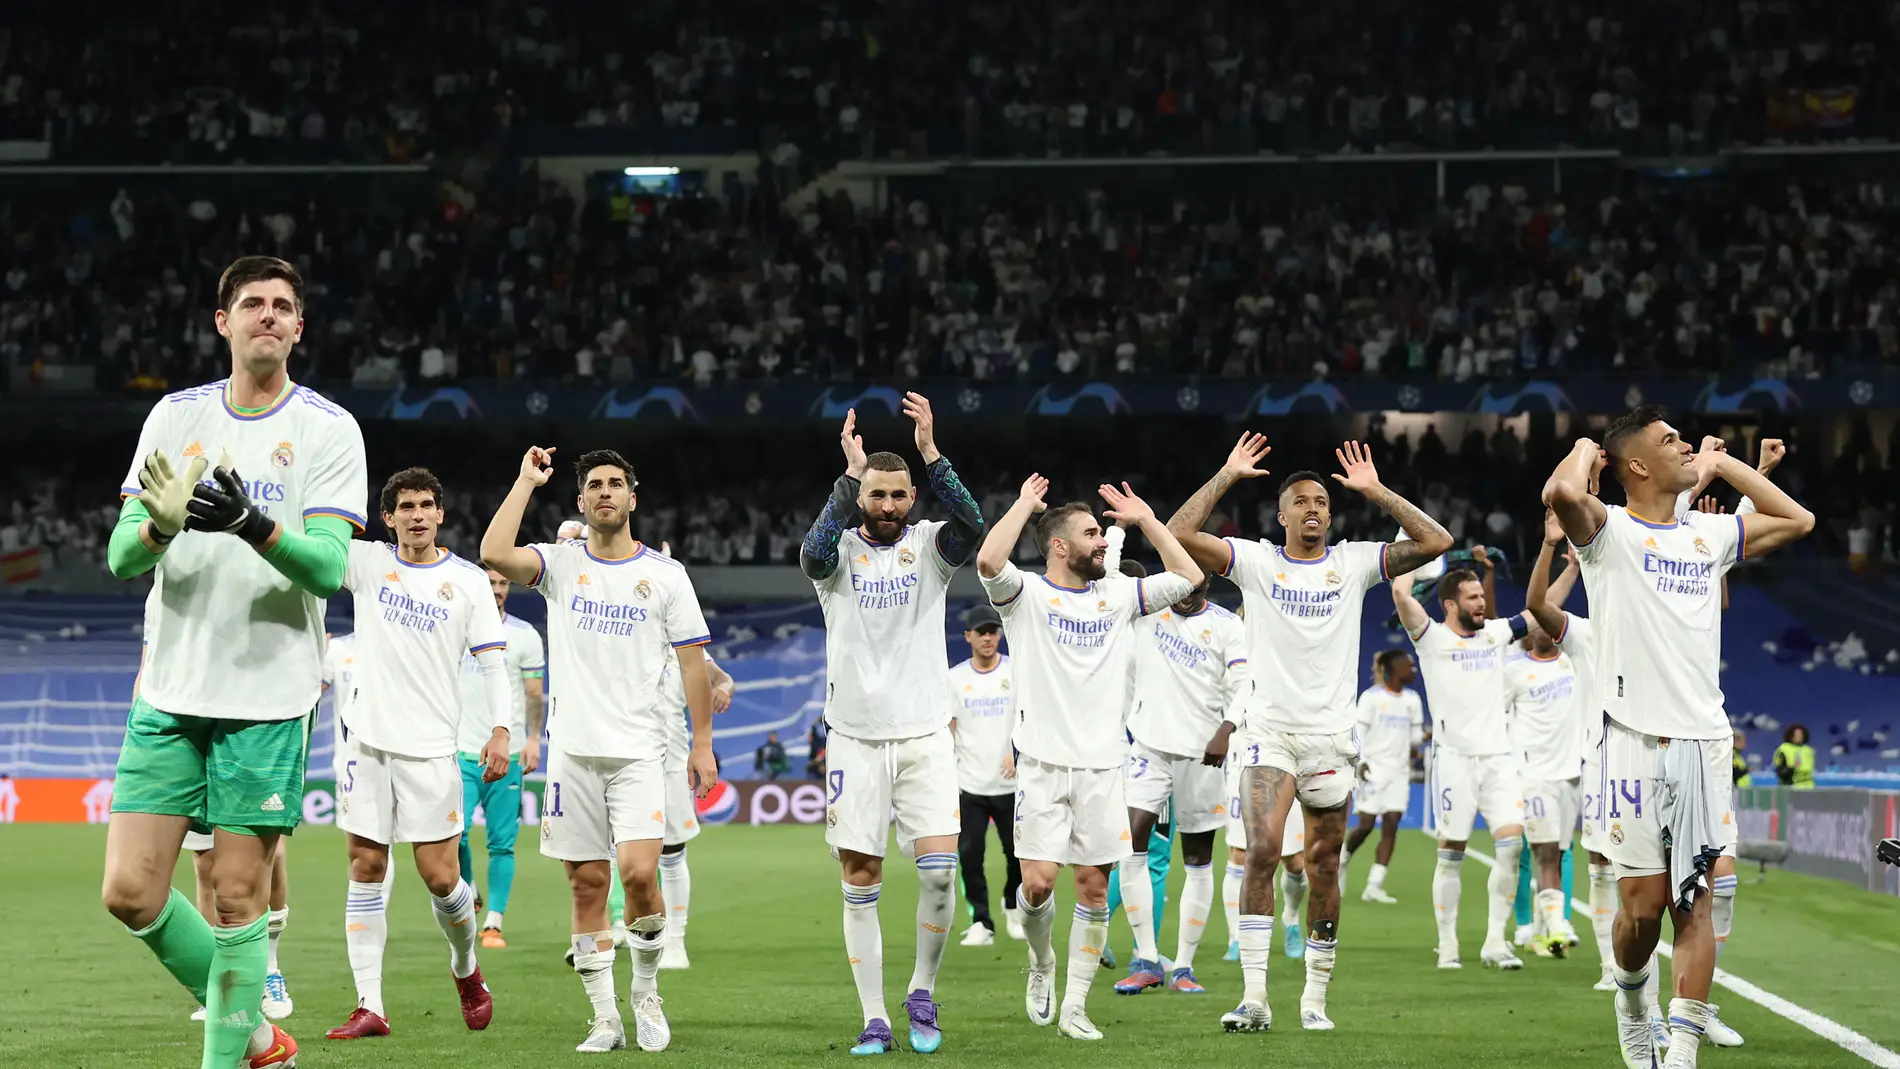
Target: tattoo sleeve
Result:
[[1408, 555], [818, 556], [957, 540], [1194, 511]]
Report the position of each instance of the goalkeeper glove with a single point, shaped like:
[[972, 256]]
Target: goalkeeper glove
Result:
[[226, 507], [166, 494]]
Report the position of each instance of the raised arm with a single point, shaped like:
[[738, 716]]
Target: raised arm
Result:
[[1541, 598], [818, 556], [1567, 492], [1777, 519], [1412, 614], [1209, 551], [1425, 538], [957, 539], [1001, 538], [1124, 506], [1116, 536], [1488, 578], [519, 563]]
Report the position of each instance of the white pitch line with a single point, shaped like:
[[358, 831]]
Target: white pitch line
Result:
[[1827, 1028]]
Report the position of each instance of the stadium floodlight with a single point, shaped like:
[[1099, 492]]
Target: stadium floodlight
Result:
[[650, 172]]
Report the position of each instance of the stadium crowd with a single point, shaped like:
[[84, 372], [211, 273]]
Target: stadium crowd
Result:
[[416, 285], [993, 77]]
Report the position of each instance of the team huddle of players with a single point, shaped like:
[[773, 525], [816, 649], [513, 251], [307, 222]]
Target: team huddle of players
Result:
[[1130, 699]]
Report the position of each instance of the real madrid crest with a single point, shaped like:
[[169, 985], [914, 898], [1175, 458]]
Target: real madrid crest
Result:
[[283, 456], [445, 592], [1616, 834], [642, 590], [1102, 605], [1332, 578], [905, 557], [1004, 684]]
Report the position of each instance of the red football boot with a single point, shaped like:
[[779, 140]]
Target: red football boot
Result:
[[362, 1025], [478, 1007]]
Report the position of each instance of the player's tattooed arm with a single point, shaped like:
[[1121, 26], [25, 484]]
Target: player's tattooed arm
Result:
[[818, 556], [1210, 552], [1425, 538]]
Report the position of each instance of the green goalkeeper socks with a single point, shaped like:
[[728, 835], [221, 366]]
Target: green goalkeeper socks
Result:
[[616, 895], [236, 992], [183, 943]]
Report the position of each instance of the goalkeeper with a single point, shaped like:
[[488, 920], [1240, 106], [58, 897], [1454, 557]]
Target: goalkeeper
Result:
[[217, 734]]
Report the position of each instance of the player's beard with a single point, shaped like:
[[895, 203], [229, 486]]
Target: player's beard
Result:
[[1089, 569], [1468, 621], [611, 526], [885, 530]]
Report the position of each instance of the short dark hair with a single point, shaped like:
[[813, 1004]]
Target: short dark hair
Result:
[[1301, 477], [248, 269], [601, 458], [1453, 581], [886, 462], [1616, 438], [1383, 661], [1134, 569], [412, 479], [1053, 517]]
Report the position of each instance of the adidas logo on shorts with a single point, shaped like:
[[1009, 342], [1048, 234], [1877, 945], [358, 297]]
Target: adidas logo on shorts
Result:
[[273, 804]]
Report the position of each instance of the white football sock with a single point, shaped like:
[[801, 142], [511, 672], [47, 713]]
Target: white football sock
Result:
[[594, 961], [676, 890], [389, 884], [493, 920], [1256, 949], [936, 911], [1345, 862], [455, 915], [1721, 914], [261, 1037], [1138, 904], [1376, 877], [1086, 937], [1039, 926], [365, 933], [1446, 891], [1320, 955], [1502, 888], [1292, 896], [645, 937], [1629, 990], [1230, 898], [1552, 906], [1603, 912], [1652, 990], [1197, 898], [864, 946], [279, 920], [1688, 1020]]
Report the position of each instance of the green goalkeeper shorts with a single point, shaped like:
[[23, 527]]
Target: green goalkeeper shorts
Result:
[[239, 775]]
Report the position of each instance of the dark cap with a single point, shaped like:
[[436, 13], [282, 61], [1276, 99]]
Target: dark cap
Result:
[[980, 617]]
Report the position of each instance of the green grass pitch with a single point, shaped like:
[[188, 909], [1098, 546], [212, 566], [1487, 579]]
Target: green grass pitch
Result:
[[769, 983]]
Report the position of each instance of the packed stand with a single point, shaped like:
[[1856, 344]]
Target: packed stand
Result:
[[414, 284], [361, 82]]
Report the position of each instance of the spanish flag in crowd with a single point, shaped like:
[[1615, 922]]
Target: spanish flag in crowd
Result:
[[20, 566]]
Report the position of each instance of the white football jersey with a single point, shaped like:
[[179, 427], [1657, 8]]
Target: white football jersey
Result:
[[885, 657], [1303, 631], [527, 659], [1464, 681], [679, 726], [1546, 715], [231, 637], [1579, 642], [1389, 725], [985, 716], [1189, 672], [610, 623], [417, 621], [339, 676], [1656, 590], [1071, 650]]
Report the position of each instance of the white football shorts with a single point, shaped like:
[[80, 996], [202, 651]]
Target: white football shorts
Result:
[[593, 804], [1384, 790], [1462, 786], [1153, 779], [1071, 816], [1323, 766], [390, 799], [866, 781], [1634, 793], [1292, 833], [682, 816], [1550, 810]]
